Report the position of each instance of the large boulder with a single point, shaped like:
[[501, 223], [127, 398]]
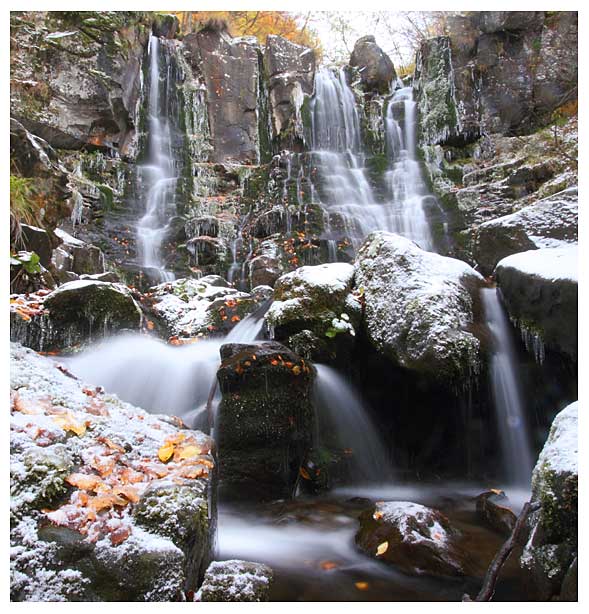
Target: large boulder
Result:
[[290, 70], [77, 312], [236, 580], [314, 310], [540, 291], [375, 67], [549, 222], [108, 502], [264, 422], [549, 559], [231, 71], [416, 539], [418, 307]]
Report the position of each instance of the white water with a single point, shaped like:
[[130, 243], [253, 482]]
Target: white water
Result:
[[149, 373], [507, 397], [341, 413], [406, 188], [158, 174]]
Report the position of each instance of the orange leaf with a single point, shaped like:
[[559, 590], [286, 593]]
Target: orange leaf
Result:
[[382, 548], [377, 515], [83, 481], [120, 534], [304, 473], [327, 565], [362, 586]]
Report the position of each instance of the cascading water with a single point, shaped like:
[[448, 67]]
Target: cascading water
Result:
[[158, 377], [159, 173], [406, 188], [509, 407], [344, 189], [341, 412]]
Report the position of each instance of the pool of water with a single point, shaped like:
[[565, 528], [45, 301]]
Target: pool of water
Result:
[[309, 543]]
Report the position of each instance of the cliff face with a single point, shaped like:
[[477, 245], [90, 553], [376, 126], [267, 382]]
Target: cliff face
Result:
[[497, 106]]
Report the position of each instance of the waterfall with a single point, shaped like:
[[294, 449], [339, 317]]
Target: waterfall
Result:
[[341, 413], [405, 185], [159, 172], [509, 408], [337, 152], [161, 378]]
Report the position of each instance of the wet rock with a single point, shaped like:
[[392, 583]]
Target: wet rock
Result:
[[484, 77], [85, 259], [375, 66], [77, 312], [290, 70], [165, 26], [550, 222], [37, 240], [419, 307], [552, 546], [27, 274], [236, 580], [96, 515], [264, 420], [417, 539], [86, 95], [110, 277], [540, 291], [570, 585], [231, 70], [316, 300], [264, 270], [492, 509]]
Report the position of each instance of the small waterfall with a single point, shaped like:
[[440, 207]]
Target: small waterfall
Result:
[[341, 412], [509, 407], [159, 172], [161, 378], [406, 188], [343, 187]]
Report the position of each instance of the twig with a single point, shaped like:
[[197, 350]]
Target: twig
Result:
[[488, 589]]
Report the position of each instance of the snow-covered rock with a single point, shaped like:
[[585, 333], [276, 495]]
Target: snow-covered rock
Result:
[[108, 502], [76, 312], [540, 290], [236, 580], [419, 307], [550, 222], [314, 310], [198, 307], [552, 546], [417, 539]]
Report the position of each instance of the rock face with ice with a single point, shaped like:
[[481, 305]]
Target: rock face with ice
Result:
[[416, 539], [550, 222], [540, 288], [77, 312], [236, 580], [550, 555], [265, 418], [315, 311], [108, 502], [418, 307]]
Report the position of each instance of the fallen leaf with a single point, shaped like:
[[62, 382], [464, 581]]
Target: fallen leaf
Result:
[[67, 422], [377, 515], [304, 473], [166, 452], [296, 369], [362, 586], [83, 481], [382, 548], [327, 565]]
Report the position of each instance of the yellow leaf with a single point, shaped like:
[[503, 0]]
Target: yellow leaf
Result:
[[165, 452], [361, 586], [382, 548], [68, 423], [186, 452]]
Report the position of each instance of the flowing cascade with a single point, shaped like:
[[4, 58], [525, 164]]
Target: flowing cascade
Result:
[[340, 412], [406, 187], [507, 397], [159, 377], [159, 172], [343, 188]]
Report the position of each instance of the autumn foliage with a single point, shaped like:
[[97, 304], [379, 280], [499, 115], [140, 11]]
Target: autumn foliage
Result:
[[253, 23]]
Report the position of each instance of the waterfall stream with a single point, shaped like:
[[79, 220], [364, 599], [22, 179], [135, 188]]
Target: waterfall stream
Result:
[[158, 173], [507, 396]]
